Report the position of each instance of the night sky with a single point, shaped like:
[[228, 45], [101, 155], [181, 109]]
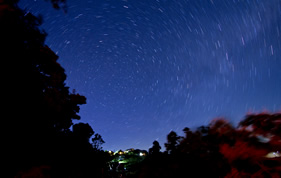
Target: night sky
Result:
[[148, 67]]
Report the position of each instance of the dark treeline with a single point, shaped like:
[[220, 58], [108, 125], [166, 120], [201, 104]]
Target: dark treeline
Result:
[[39, 109], [39, 138]]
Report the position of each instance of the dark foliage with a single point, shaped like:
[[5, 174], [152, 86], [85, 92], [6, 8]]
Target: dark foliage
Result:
[[172, 142], [39, 107], [155, 149], [97, 142]]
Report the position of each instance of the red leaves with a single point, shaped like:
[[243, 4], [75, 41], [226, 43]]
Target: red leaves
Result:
[[241, 150], [256, 136]]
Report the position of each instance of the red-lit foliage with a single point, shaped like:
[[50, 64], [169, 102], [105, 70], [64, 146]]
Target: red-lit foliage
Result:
[[256, 136], [241, 151]]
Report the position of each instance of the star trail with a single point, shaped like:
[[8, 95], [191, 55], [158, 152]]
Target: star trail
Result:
[[148, 67]]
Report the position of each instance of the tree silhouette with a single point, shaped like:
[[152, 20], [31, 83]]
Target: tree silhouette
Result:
[[97, 142], [155, 149], [83, 130], [172, 142], [40, 109]]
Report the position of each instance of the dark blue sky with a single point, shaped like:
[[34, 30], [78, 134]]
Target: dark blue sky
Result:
[[151, 66]]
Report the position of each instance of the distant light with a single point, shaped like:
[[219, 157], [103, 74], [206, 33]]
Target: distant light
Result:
[[273, 155], [123, 161], [142, 154]]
